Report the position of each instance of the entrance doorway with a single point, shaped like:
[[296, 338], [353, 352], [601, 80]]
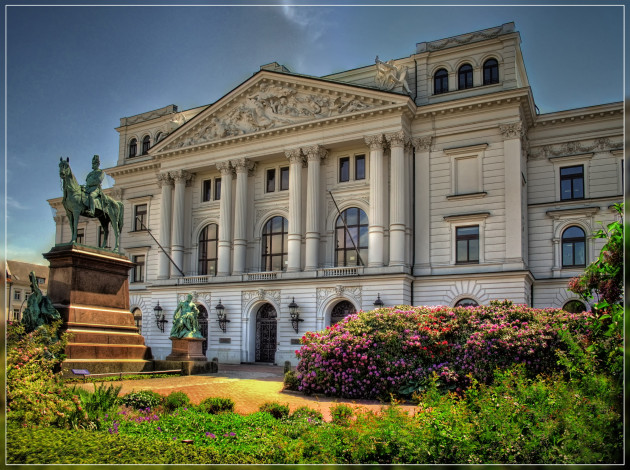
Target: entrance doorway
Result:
[[203, 327], [266, 333], [341, 311]]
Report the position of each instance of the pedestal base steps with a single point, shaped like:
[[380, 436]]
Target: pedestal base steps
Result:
[[90, 289]]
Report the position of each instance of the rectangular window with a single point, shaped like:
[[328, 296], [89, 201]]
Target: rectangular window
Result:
[[217, 189], [140, 217], [41, 280], [138, 270], [271, 180], [80, 236], [344, 169], [359, 167], [206, 192], [16, 314], [17, 295], [467, 244], [99, 237], [284, 178], [572, 182]]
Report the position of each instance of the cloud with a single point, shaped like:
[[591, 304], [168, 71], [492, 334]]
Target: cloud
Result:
[[311, 20], [15, 204]]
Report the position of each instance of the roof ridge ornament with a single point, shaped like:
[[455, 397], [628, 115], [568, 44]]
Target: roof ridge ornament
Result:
[[389, 76]]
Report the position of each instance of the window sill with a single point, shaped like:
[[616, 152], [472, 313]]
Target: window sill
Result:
[[458, 197]]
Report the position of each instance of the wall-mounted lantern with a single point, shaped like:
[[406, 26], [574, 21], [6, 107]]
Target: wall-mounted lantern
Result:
[[159, 317], [222, 316], [295, 315]]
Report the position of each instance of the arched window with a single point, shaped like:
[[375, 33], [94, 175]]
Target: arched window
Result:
[[208, 239], [573, 247], [490, 72], [351, 234], [466, 303], [275, 244], [465, 76], [574, 306], [146, 143], [133, 148], [137, 318], [440, 81], [341, 311]]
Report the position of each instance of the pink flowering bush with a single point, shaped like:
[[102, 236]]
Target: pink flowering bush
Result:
[[396, 350]]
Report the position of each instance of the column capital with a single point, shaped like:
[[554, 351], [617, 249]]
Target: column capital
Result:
[[397, 139], [164, 179], [243, 165], [315, 152], [512, 130], [375, 142], [181, 176], [225, 168], [294, 155], [422, 144]]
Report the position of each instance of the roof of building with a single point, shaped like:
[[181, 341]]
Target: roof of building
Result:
[[19, 271]]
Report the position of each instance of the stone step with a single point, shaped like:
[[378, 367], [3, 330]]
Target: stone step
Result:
[[106, 366], [107, 351], [105, 337], [88, 314]]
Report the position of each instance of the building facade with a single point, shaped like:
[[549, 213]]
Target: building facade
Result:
[[425, 180]]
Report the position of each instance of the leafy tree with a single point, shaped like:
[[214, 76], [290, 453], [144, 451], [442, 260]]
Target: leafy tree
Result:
[[602, 281]]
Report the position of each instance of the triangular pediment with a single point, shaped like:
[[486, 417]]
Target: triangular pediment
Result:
[[271, 101]]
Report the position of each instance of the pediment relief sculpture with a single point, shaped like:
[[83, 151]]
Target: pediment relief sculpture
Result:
[[271, 106], [389, 76]]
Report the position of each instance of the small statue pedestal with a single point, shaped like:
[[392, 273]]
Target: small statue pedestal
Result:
[[186, 349]]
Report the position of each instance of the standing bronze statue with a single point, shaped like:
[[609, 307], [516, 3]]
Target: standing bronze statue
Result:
[[89, 201]]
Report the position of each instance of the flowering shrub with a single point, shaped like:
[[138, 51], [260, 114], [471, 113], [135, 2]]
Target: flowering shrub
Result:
[[35, 392], [395, 350], [142, 399]]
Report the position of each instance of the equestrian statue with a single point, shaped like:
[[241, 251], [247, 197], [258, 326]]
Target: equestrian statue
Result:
[[90, 201]]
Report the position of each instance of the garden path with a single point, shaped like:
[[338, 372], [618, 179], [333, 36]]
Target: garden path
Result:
[[248, 385]]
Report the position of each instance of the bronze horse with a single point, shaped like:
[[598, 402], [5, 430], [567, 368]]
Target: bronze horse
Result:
[[75, 203]]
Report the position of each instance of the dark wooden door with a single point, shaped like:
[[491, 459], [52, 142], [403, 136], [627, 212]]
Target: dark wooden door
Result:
[[266, 333]]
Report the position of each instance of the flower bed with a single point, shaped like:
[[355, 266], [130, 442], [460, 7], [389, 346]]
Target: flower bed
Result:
[[396, 350]]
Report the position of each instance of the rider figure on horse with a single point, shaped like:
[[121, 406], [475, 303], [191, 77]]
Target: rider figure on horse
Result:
[[93, 185]]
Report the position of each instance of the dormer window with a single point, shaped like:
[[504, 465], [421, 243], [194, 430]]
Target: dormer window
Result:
[[146, 143], [440, 82], [465, 76], [490, 72], [133, 148]]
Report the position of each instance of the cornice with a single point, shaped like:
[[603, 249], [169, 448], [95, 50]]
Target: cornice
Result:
[[132, 168], [580, 114]]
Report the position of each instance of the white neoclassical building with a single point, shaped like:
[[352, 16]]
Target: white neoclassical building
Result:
[[425, 180]]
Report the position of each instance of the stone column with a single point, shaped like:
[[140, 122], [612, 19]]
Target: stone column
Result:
[[422, 238], [243, 167], [181, 178], [225, 217], [513, 193], [166, 216], [314, 155], [377, 201], [398, 201], [295, 209]]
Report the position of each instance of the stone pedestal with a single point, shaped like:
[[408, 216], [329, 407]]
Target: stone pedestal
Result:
[[90, 289], [187, 349]]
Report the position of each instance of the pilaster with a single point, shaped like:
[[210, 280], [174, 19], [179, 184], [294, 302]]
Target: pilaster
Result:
[[422, 235], [181, 178]]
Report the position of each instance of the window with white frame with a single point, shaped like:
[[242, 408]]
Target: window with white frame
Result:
[[466, 170], [206, 190], [140, 212], [17, 295], [352, 168], [81, 236], [137, 273], [467, 237], [571, 176], [277, 179]]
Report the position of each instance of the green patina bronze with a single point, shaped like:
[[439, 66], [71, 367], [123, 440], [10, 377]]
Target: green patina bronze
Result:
[[39, 309], [185, 320], [89, 201]]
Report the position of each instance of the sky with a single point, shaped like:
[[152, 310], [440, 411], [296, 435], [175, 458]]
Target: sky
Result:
[[71, 72]]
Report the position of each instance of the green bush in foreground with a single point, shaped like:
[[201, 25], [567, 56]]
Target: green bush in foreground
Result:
[[341, 414], [142, 399], [176, 400], [214, 405], [275, 409]]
